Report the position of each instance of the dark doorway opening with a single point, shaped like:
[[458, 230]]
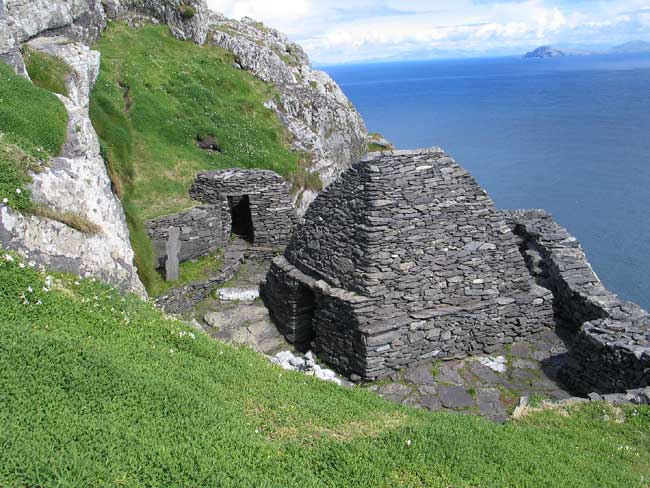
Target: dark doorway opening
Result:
[[242, 220]]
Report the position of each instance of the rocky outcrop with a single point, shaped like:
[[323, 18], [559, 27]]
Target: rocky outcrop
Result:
[[76, 182], [21, 20], [84, 20], [187, 19], [316, 112], [320, 117]]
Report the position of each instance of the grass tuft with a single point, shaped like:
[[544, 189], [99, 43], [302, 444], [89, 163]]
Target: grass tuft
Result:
[[46, 71], [186, 11], [71, 219]]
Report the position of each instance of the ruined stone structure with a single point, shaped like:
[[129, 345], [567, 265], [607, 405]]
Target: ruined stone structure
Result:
[[610, 351], [204, 230], [259, 204], [404, 258]]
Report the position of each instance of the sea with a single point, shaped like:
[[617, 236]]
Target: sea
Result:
[[569, 135]]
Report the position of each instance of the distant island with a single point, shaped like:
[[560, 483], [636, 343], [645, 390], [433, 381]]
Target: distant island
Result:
[[632, 47]]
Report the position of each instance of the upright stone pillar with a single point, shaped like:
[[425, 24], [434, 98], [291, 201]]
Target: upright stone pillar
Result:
[[172, 247]]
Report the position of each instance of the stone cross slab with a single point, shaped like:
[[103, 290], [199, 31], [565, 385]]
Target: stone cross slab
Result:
[[172, 248]]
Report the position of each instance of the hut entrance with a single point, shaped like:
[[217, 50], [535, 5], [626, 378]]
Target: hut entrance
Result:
[[242, 220]]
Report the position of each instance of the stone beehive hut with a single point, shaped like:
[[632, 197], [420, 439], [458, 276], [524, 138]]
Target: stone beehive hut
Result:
[[404, 258], [258, 202]]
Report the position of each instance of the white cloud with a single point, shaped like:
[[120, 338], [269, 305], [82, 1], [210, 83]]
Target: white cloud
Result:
[[340, 30]]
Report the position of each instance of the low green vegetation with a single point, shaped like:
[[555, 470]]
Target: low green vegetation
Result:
[[46, 71], [155, 98], [32, 129], [435, 368], [188, 272], [375, 146], [100, 389], [186, 11]]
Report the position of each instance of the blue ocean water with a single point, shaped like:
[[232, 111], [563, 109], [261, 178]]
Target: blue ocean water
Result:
[[570, 135]]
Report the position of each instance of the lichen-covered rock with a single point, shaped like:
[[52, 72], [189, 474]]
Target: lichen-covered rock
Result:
[[21, 20], [187, 19], [320, 117], [76, 182]]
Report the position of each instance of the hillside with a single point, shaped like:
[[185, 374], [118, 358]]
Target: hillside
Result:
[[102, 389], [155, 100]]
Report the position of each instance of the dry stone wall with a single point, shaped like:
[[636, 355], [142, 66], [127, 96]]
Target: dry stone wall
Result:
[[415, 263], [203, 230], [611, 348], [272, 214]]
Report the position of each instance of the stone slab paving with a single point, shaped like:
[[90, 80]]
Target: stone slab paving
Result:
[[243, 322], [478, 385], [472, 385]]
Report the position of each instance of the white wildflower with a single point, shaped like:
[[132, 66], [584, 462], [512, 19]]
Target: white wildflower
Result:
[[409, 442], [9, 258], [30, 289], [19, 191], [21, 265], [5, 200]]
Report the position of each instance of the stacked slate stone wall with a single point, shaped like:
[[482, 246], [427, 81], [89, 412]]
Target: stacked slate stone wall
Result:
[[418, 263], [183, 298], [204, 230], [271, 209], [611, 347]]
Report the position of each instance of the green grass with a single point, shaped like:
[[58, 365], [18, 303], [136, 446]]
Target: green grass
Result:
[[32, 129], [186, 11], [97, 389], [188, 272], [155, 95], [46, 71]]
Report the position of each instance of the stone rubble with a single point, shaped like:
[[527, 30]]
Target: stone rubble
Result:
[[238, 294], [497, 364], [307, 365]]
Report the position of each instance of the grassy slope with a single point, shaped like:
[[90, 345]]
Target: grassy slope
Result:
[[154, 96], [32, 127], [97, 390]]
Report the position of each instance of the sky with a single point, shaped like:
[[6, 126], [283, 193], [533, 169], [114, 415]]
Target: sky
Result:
[[342, 31]]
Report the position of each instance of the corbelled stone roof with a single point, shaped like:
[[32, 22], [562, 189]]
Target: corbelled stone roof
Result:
[[413, 225]]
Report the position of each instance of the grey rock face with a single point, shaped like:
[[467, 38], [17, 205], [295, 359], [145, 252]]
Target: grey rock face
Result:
[[192, 27], [81, 20], [312, 106], [77, 182]]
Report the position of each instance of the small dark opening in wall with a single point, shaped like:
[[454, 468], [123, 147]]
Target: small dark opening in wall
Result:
[[242, 220]]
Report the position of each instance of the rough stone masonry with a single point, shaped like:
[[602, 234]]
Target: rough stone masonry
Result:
[[405, 258]]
